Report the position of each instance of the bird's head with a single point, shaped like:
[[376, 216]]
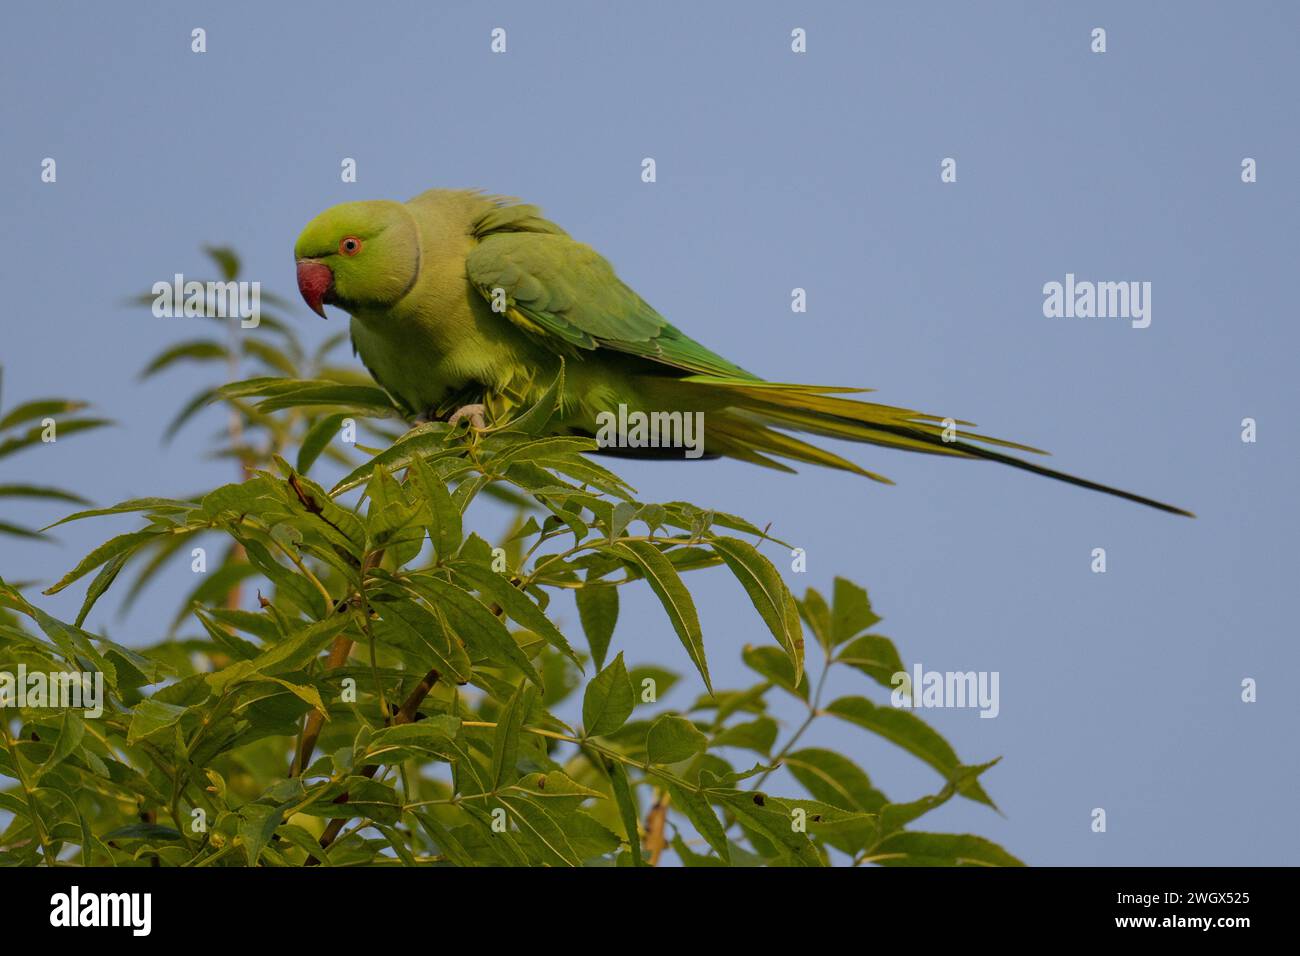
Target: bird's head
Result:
[[358, 254]]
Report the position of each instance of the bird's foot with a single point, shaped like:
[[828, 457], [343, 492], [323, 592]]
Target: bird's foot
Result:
[[476, 414]]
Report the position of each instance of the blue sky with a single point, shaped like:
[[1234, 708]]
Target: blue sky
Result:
[[778, 170]]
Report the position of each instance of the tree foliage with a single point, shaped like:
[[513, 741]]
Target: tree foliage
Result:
[[391, 696]]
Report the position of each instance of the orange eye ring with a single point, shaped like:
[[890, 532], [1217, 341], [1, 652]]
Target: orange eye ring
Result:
[[349, 246]]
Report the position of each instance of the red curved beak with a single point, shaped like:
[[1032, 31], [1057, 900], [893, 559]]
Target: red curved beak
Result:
[[315, 280]]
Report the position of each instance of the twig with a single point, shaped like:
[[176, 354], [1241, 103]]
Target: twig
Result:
[[405, 715]]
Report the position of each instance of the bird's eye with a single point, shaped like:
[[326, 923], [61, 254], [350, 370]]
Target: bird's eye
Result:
[[349, 245]]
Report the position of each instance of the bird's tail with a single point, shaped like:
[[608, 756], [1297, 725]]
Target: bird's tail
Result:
[[758, 415]]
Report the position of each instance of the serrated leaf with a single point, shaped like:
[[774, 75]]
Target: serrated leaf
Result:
[[698, 810], [874, 655], [257, 823], [914, 848], [776, 667], [758, 735], [598, 613], [517, 605], [772, 818], [199, 350], [768, 593], [121, 544], [317, 440], [538, 416], [628, 811], [851, 612], [444, 517], [833, 778], [814, 610], [505, 742], [152, 717], [608, 701], [478, 627], [40, 491], [676, 600], [909, 732], [672, 739]]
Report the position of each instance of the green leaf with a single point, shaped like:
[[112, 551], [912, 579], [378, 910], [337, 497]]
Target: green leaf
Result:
[[517, 605], [541, 449], [420, 631], [40, 491], [834, 779], [39, 408], [390, 519], [478, 627], [768, 593], [773, 820], [71, 733], [444, 517], [19, 532], [628, 810], [430, 736], [317, 440], [690, 858], [914, 848], [152, 832], [122, 544], [776, 667], [608, 701], [156, 505], [672, 739], [423, 441], [293, 653], [34, 436], [199, 350], [361, 797], [257, 823], [817, 614], [552, 786], [598, 612], [152, 717], [102, 582], [226, 259], [697, 810], [667, 586], [537, 417], [758, 735], [366, 398], [446, 841], [505, 743], [912, 734], [874, 655], [852, 612]]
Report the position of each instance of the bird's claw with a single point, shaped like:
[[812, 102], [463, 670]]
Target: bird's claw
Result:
[[476, 415]]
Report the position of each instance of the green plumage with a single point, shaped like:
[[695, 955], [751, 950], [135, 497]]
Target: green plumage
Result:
[[458, 297]]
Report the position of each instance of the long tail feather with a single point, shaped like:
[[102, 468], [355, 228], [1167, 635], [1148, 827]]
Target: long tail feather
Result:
[[749, 426]]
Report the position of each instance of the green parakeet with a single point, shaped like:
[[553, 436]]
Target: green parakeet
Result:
[[466, 304]]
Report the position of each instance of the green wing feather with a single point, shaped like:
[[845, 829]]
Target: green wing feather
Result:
[[568, 296]]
